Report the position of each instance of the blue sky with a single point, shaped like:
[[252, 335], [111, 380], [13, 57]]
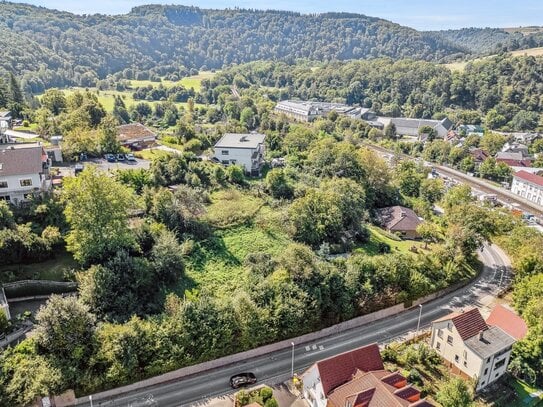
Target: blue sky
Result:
[[420, 14]]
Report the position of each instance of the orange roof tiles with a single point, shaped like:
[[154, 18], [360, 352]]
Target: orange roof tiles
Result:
[[508, 321]]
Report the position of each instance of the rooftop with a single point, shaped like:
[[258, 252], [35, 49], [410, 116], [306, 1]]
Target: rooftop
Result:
[[339, 369], [239, 140], [489, 342], [417, 123], [134, 131], [5, 114], [399, 218], [468, 323], [508, 321], [529, 177], [20, 159]]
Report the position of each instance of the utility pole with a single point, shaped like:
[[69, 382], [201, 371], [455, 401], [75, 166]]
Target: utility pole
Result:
[[90, 400], [292, 361], [418, 323]]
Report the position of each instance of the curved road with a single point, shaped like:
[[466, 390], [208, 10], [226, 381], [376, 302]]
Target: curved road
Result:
[[275, 367]]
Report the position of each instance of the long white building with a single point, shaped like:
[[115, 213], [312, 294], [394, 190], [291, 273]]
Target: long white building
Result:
[[307, 111], [529, 186]]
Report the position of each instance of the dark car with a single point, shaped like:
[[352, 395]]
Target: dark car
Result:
[[242, 379], [120, 157], [110, 158]]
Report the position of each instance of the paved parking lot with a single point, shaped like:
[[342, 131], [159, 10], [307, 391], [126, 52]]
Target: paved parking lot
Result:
[[104, 165]]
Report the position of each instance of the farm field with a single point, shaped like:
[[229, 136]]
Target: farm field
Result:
[[460, 66]]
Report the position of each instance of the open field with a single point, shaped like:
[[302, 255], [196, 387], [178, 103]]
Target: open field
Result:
[[460, 66], [194, 81], [216, 264]]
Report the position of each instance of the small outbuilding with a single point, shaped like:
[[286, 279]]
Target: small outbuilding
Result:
[[399, 219]]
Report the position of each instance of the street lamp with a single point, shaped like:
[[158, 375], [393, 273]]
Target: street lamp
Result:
[[418, 323], [292, 361], [90, 400]]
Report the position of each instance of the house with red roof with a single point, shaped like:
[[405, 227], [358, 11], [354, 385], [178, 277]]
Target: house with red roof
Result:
[[472, 347], [528, 186], [358, 379]]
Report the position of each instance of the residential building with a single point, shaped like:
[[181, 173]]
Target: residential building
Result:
[[508, 321], [246, 150], [135, 136], [398, 219], [525, 138], [529, 186], [471, 347], [467, 129], [479, 155], [23, 172], [5, 124], [516, 147], [411, 127], [358, 379], [307, 111], [514, 159]]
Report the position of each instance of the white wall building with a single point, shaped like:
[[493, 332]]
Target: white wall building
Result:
[[23, 171], [529, 186], [307, 111], [471, 347], [246, 150]]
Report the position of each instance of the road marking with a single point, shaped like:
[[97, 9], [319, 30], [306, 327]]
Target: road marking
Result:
[[308, 348], [314, 347], [321, 347]]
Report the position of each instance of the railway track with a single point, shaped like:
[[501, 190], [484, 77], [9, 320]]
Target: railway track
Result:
[[502, 194]]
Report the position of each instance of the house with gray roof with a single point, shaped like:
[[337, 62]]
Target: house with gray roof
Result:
[[401, 220], [246, 150], [472, 347], [23, 172]]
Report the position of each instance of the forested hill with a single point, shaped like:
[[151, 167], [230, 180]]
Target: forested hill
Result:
[[52, 48], [490, 40]]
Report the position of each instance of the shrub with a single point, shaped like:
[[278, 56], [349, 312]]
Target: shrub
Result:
[[193, 145], [266, 393], [414, 376], [271, 403]]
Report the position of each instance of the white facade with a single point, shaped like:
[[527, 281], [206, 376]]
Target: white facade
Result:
[[312, 388], [483, 368], [17, 188], [529, 190], [246, 150]]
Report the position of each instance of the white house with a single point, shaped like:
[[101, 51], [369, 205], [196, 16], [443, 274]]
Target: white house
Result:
[[246, 150], [23, 171], [471, 347], [358, 379], [529, 186]]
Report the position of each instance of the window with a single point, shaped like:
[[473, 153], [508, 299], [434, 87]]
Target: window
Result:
[[482, 384], [3, 184], [456, 358], [449, 326], [488, 360], [465, 363], [26, 182], [449, 340], [440, 333], [438, 345], [486, 372], [465, 355], [499, 364], [224, 152], [225, 162], [496, 375]]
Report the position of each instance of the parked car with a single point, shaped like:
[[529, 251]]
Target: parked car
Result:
[[110, 158], [130, 157], [242, 379], [120, 157]]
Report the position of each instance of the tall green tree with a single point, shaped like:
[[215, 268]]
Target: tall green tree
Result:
[[97, 209]]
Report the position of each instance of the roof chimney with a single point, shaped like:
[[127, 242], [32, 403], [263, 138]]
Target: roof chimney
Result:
[[481, 335]]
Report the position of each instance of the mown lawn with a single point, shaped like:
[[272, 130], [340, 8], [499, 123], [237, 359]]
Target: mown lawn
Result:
[[194, 81], [152, 154], [377, 236], [524, 391], [54, 269]]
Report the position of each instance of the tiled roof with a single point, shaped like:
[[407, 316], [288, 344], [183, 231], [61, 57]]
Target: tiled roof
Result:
[[21, 161], [339, 369], [134, 131], [469, 323], [395, 379], [508, 321], [532, 178], [369, 389], [399, 218]]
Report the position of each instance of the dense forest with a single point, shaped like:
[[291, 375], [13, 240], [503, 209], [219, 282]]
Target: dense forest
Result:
[[52, 48], [490, 40], [504, 90]]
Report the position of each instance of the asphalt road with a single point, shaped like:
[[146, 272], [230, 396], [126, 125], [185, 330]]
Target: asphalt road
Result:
[[275, 367]]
